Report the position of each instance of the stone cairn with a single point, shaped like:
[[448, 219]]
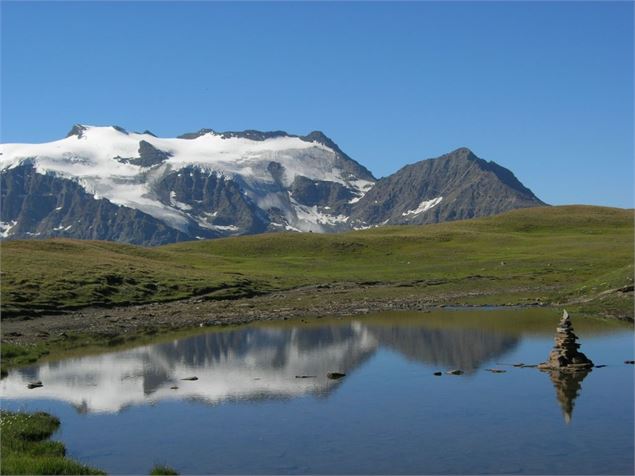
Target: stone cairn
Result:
[[565, 355]]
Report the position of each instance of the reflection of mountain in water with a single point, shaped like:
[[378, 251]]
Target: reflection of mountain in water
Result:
[[464, 349], [568, 386], [250, 363], [285, 352]]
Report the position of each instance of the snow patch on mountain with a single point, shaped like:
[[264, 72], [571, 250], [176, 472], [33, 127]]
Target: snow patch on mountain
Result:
[[424, 206], [314, 219], [5, 228], [106, 162]]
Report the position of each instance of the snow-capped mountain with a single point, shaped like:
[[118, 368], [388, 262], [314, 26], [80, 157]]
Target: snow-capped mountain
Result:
[[108, 183]]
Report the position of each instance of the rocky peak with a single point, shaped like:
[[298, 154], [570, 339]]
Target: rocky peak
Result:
[[119, 129], [321, 138], [147, 133], [460, 153], [253, 134], [208, 189], [76, 130], [197, 134]]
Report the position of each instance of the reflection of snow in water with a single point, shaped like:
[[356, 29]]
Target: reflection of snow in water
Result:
[[249, 363]]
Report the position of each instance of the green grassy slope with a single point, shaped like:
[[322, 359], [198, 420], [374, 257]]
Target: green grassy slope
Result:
[[574, 253]]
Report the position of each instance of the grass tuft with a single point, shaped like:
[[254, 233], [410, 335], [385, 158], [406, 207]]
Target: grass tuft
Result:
[[162, 469], [27, 450]]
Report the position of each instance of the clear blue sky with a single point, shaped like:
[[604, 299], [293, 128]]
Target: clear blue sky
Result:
[[545, 89]]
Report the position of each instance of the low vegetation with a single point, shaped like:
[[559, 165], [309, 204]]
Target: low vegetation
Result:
[[162, 469], [26, 448], [577, 254]]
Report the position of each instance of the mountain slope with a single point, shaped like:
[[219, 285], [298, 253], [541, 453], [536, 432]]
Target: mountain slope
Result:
[[200, 185], [110, 184], [454, 186]]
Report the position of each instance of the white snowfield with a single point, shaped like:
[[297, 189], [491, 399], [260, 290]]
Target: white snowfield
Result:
[[92, 161], [423, 207]]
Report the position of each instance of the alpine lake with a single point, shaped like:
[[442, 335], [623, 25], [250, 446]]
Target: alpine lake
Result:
[[256, 399]]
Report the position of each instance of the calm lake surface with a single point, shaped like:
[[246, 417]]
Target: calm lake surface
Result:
[[248, 413]]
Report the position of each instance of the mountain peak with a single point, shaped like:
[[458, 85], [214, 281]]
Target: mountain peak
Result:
[[76, 130], [197, 134], [454, 186], [157, 190], [253, 134], [119, 129], [321, 138], [462, 153]]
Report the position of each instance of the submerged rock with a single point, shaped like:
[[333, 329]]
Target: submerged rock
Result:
[[496, 371], [335, 375], [565, 355], [455, 372]]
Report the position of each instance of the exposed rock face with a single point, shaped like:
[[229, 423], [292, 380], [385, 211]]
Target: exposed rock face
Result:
[[565, 355], [149, 156], [47, 206], [106, 183], [455, 186]]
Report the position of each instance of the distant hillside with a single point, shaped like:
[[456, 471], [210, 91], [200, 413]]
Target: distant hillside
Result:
[[549, 254]]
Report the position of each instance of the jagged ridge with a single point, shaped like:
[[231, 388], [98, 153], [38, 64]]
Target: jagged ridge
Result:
[[150, 190]]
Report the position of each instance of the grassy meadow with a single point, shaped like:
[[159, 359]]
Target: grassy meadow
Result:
[[574, 254]]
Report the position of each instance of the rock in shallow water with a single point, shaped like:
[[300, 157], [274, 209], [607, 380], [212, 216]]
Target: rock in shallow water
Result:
[[565, 354], [335, 375], [455, 372]]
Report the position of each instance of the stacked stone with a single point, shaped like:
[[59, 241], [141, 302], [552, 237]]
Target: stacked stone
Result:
[[565, 354]]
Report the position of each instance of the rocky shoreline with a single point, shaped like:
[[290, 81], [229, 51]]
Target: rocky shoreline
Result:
[[310, 302], [302, 303]]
